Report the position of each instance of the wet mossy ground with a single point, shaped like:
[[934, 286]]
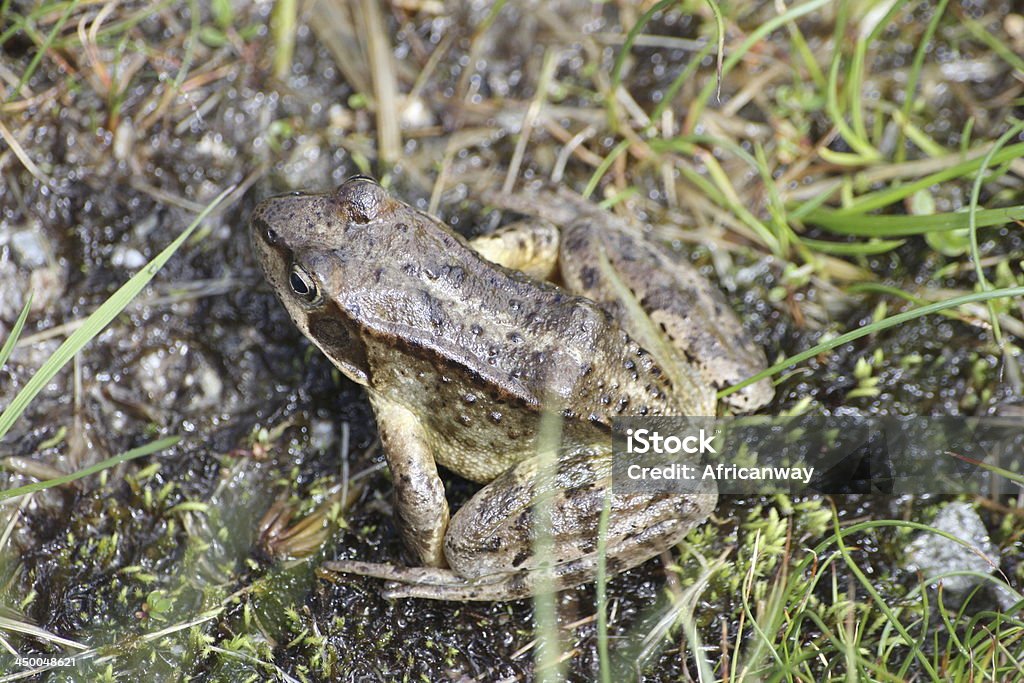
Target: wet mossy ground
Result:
[[168, 567]]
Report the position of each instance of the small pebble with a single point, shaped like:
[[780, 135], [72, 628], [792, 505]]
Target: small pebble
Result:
[[932, 554]]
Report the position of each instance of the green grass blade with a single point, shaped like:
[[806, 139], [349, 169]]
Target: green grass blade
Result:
[[99, 319], [878, 288], [918, 136], [915, 73], [283, 29], [42, 50], [724, 194], [972, 227], [627, 44], [148, 449], [801, 210], [603, 167], [601, 589], [21, 626], [720, 30], [776, 207], [548, 664], [189, 44], [905, 226], [803, 51], [874, 327], [856, 74], [852, 248], [863, 151], [891, 195], [19, 325], [684, 76], [114, 30]]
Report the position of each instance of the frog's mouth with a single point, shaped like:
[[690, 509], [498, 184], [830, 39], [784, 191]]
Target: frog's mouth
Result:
[[328, 328]]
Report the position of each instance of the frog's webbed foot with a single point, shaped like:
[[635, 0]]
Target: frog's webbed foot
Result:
[[530, 247], [432, 583], [444, 584]]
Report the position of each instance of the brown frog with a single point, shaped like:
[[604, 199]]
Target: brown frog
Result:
[[461, 358]]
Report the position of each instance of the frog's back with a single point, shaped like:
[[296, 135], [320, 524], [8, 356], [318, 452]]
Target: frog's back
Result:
[[481, 374], [527, 340]]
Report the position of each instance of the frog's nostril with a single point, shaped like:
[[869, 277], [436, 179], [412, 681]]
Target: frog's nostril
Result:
[[263, 229]]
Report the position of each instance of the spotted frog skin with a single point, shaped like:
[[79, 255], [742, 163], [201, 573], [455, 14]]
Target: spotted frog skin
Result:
[[463, 357]]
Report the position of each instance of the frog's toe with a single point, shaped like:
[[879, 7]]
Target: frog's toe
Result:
[[435, 584], [506, 587], [392, 572], [528, 246], [752, 397]]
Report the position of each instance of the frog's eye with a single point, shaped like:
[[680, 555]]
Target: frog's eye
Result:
[[303, 285]]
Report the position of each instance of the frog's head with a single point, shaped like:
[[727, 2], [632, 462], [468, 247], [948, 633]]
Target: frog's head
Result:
[[348, 261]]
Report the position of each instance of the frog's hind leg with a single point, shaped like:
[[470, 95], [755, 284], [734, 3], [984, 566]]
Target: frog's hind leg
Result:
[[495, 534], [626, 272], [491, 542], [527, 246]]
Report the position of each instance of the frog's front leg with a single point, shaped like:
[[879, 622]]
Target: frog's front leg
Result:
[[419, 492], [491, 541]]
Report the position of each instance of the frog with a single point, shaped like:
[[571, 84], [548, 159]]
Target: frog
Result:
[[469, 350]]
